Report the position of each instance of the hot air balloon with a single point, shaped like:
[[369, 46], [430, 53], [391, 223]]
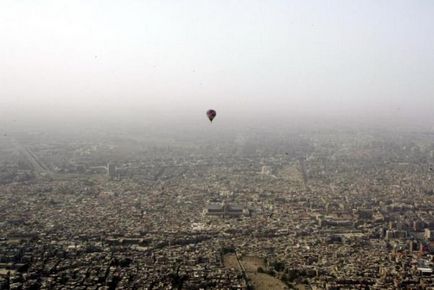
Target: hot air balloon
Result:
[[211, 114]]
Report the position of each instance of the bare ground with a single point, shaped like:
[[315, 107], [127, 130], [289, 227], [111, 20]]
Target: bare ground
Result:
[[262, 281], [230, 261]]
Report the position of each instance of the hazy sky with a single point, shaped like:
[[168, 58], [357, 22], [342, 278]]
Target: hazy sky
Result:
[[373, 58]]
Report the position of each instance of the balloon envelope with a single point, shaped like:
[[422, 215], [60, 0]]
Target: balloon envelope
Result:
[[211, 114]]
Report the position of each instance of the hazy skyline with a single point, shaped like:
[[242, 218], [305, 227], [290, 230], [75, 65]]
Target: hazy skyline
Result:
[[156, 58]]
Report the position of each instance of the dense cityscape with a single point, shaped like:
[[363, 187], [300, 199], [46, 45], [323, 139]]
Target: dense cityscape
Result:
[[329, 209], [216, 145]]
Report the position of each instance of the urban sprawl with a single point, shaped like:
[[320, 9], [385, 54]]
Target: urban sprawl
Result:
[[315, 210]]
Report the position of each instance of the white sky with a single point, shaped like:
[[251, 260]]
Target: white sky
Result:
[[239, 57]]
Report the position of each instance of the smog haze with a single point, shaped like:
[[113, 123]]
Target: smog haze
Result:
[[151, 61]]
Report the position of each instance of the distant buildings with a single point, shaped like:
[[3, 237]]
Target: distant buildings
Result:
[[266, 170], [395, 234], [225, 210]]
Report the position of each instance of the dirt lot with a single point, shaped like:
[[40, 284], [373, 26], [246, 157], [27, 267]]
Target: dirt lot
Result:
[[263, 281], [230, 261], [251, 264]]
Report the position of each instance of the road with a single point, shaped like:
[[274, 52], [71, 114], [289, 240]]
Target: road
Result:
[[38, 166]]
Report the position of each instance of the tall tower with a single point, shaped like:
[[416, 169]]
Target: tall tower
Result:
[[111, 170]]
